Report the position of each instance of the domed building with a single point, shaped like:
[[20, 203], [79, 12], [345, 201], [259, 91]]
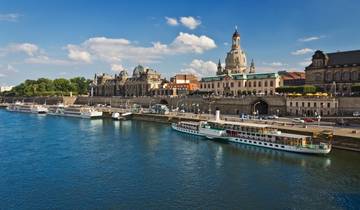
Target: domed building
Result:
[[143, 82], [237, 78], [235, 61]]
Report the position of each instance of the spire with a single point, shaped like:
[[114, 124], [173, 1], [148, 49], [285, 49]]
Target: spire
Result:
[[252, 66], [219, 68]]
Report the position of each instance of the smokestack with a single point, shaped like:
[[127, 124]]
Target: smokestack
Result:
[[217, 115]]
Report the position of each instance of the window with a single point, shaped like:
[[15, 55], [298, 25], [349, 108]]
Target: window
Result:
[[338, 76], [212, 85], [266, 84], [271, 83], [208, 85], [346, 76], [239, 84], [218, 84], [232, 84], [296, 104], [328, 105], [303, 104], [308, 104], [259, 84], [291, 103], [314, 104], [254, 83], [201, 86], [249, 83]]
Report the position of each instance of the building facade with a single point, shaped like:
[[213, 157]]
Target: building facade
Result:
[[312, 106], [241, 84], [238, 79], [334, 72], [180, 84], [142, 83], [292, 78]]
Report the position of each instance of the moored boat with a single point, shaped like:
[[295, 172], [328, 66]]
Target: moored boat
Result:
[[29, 108], [258, 135], [74, 111]]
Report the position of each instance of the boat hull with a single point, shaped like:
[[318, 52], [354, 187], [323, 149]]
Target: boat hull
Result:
[[287, 148]]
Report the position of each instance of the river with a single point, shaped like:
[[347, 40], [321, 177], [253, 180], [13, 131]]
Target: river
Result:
[[49, 162]]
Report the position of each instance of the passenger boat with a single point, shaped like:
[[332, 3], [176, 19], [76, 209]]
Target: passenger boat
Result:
[[74, 111], [119, 116], [258, 135], [29, 108]]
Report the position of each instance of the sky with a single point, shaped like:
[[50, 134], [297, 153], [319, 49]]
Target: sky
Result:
[[68, 38]]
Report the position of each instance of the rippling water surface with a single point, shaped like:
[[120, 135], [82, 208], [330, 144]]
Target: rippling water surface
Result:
[[49, 162]]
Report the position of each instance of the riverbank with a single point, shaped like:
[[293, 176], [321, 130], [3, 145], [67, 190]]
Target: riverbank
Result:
[[343, 137]]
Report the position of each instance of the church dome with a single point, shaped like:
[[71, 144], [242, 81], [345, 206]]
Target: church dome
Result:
[[138, 70]]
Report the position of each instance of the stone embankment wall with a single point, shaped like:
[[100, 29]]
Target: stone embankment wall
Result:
[[40, 100], [348, 105]]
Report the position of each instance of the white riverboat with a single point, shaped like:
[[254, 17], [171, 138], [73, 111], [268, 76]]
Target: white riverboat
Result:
[[29, 108], [74, 111], [258, 135], [121, 116]]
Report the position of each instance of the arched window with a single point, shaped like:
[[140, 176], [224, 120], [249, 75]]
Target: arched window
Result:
[[338, 76], [354, 76], [345, 76], [329, 76]]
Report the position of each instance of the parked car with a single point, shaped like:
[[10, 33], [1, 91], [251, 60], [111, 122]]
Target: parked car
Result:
[[342, 122], [356, 114], [309, 120], [272, 117], [298, 120]]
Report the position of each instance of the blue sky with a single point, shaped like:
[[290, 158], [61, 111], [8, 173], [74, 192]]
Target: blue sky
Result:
[[80, 38]]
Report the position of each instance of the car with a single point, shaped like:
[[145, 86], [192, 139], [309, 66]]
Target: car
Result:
[[356, 114], [342, 122], [272, 117], [298, 120], [309, 120]]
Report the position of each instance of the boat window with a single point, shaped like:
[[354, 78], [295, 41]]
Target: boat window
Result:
[[265, 143], [276, 145], [282, 146], [270, 144]]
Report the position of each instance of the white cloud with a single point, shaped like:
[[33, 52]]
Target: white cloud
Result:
[[190, 22], [43, 59], [11, 17], [305, 62], [185, 42], [275, 64], [171, 21], [201, 68], [118, 50], [28, 48], [302, 51], [117, 67], [310, 38], [78, 55]]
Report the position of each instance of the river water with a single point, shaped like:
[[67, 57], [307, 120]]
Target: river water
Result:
[[49, 162]]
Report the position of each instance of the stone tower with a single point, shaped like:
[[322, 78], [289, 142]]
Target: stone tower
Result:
[[235, 61]]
